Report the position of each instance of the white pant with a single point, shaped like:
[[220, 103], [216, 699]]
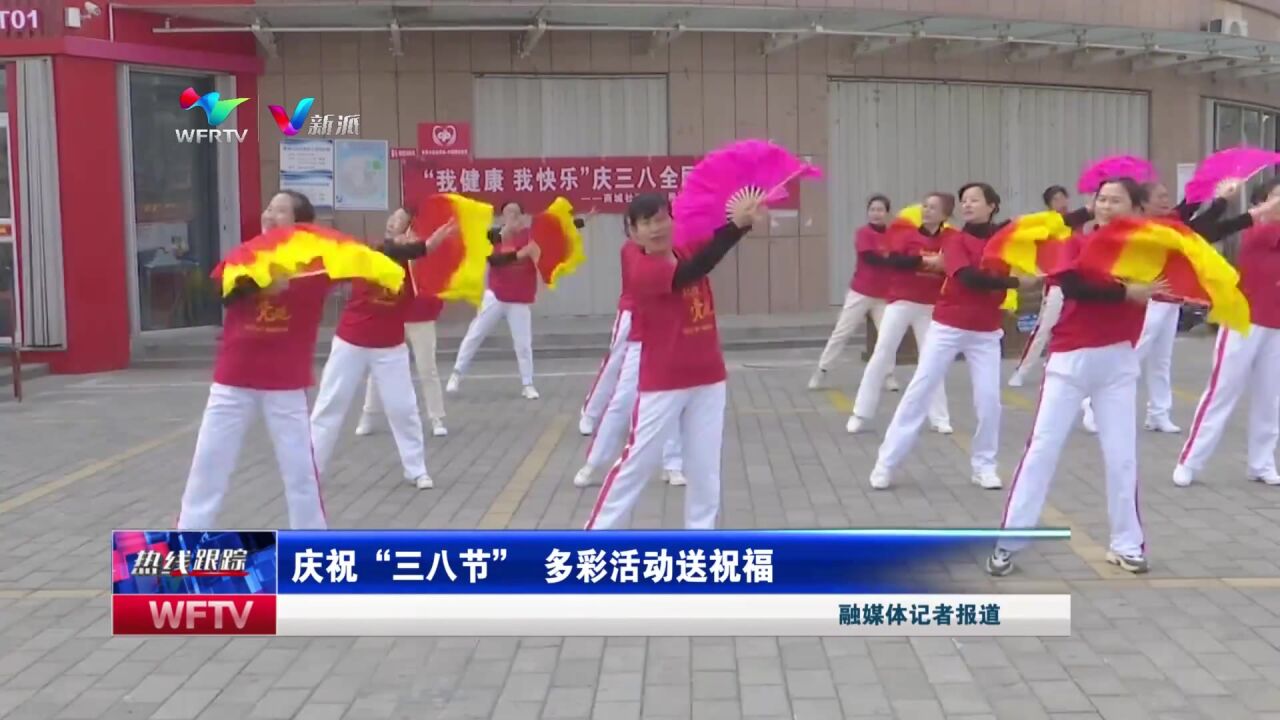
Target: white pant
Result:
[[227, 416], [855, 311], [1050, 311], [1240, 363], [1155, 354], [422, 339], [614, 427], [602, 388], [942, 345], [343, 372], [697, 414], [891, 329], [1109, 376], [519, 321]]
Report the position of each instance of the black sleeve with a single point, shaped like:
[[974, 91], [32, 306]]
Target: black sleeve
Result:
[[244, 288], [397, 251], [693, 269], [1186, 210], [1077, 219], [500, 259], [495, 235], [978, 280], [893, 260], [1075, 287], [1216, 232], [1209, 223], [579, 223]]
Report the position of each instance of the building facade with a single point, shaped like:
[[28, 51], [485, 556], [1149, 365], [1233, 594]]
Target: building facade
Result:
[[894, 96]]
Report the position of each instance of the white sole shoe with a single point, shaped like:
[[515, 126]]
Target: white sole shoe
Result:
[[451, 386], [891, 384], [529, 393], [439, 430], [424, 483], [1183, 476], [987, 481], [1162, 426], [675, 478], [586, 427], [943, 429], [880, 478], [818, 380], [855, 425], [1016, 381], [586, 477]]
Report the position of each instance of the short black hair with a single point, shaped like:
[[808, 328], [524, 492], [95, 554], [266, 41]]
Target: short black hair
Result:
[[1137, 191], [645, 206], [988, 193], [1260, 193], [1052, 192], [303, 210], [947, 199], [882, 199]]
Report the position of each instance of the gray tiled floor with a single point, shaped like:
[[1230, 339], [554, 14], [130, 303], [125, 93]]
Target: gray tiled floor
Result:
[[1200, 637]]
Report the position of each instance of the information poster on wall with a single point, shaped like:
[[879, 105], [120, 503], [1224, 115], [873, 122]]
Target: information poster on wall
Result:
[[306, 166], [360, 174]]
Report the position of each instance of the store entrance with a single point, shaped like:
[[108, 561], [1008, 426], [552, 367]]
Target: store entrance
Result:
[[8, 230]]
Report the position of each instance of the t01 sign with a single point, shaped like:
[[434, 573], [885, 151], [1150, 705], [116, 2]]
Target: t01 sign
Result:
[[19, 20]]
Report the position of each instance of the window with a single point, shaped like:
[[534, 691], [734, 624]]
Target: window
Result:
[[8, 252], [1236, 125]]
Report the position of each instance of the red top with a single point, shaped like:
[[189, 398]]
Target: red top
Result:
[[374, 317], [870, 280], [681, 346], [631, 252], [960, 306], [515, 282], [624, 299], [424, 309], [269, 341], [1093, 323], [915, 285], [1259, 263]]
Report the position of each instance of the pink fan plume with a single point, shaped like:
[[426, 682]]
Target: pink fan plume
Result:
[[1116, 166], [747, 167], [1236, 164]]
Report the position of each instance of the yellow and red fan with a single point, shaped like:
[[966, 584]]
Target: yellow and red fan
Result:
[[557, 236], [303, 249], [1144, 249], [455, 269], [1031, 244]]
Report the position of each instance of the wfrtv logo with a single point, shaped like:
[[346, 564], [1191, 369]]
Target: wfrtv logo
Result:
[[216, 111]]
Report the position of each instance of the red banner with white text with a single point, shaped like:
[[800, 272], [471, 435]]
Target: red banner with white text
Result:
[[603, 184]]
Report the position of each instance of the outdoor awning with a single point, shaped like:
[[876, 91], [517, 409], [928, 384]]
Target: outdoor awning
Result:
[[1192, 53]]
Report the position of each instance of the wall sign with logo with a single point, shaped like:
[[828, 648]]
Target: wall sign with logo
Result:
[[444, 139], [17, 21], [306, 166]]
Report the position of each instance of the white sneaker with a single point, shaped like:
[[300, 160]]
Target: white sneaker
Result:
[[1269, 477], [1162, 425], [942, 428], [855, 425], [424, 482], [1090, 425], [366, 426], [987, 480], [818, 379], [891, 384], [880, 477], [438, 429], [586, 477], [451, 387], [586, 426], [675, 478], [1183, 476], [1017, 380], [530, 393]]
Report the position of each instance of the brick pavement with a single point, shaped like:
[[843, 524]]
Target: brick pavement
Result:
[[1198, 638]]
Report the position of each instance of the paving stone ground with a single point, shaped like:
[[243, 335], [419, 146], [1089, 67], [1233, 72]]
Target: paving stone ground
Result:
[[1198, 638]]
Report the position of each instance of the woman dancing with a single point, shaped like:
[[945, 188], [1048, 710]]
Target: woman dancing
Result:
[[868, 293], [1092, 354], [1246, 361], [914, 279], [682, 373], [966, 321], [263, 366], [370, 342]]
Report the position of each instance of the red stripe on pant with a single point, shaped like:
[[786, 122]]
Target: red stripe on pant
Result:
[[613, 338], [1218, 354], [617, 467], [1013, 484], [1031, 339]]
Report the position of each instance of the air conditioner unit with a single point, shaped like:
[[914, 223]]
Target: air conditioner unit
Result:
[[1228, 26]]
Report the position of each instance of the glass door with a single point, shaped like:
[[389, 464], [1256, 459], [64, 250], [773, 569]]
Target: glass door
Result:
[[8, 237], [175, 198]]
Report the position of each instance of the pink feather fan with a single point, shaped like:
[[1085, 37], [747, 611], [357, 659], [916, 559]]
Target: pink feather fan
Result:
[[747, 168], [1234, 165], [1115, 166]]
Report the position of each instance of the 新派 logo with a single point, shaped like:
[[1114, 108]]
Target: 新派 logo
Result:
[[445, 135], [216, 110], [292, 125]]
